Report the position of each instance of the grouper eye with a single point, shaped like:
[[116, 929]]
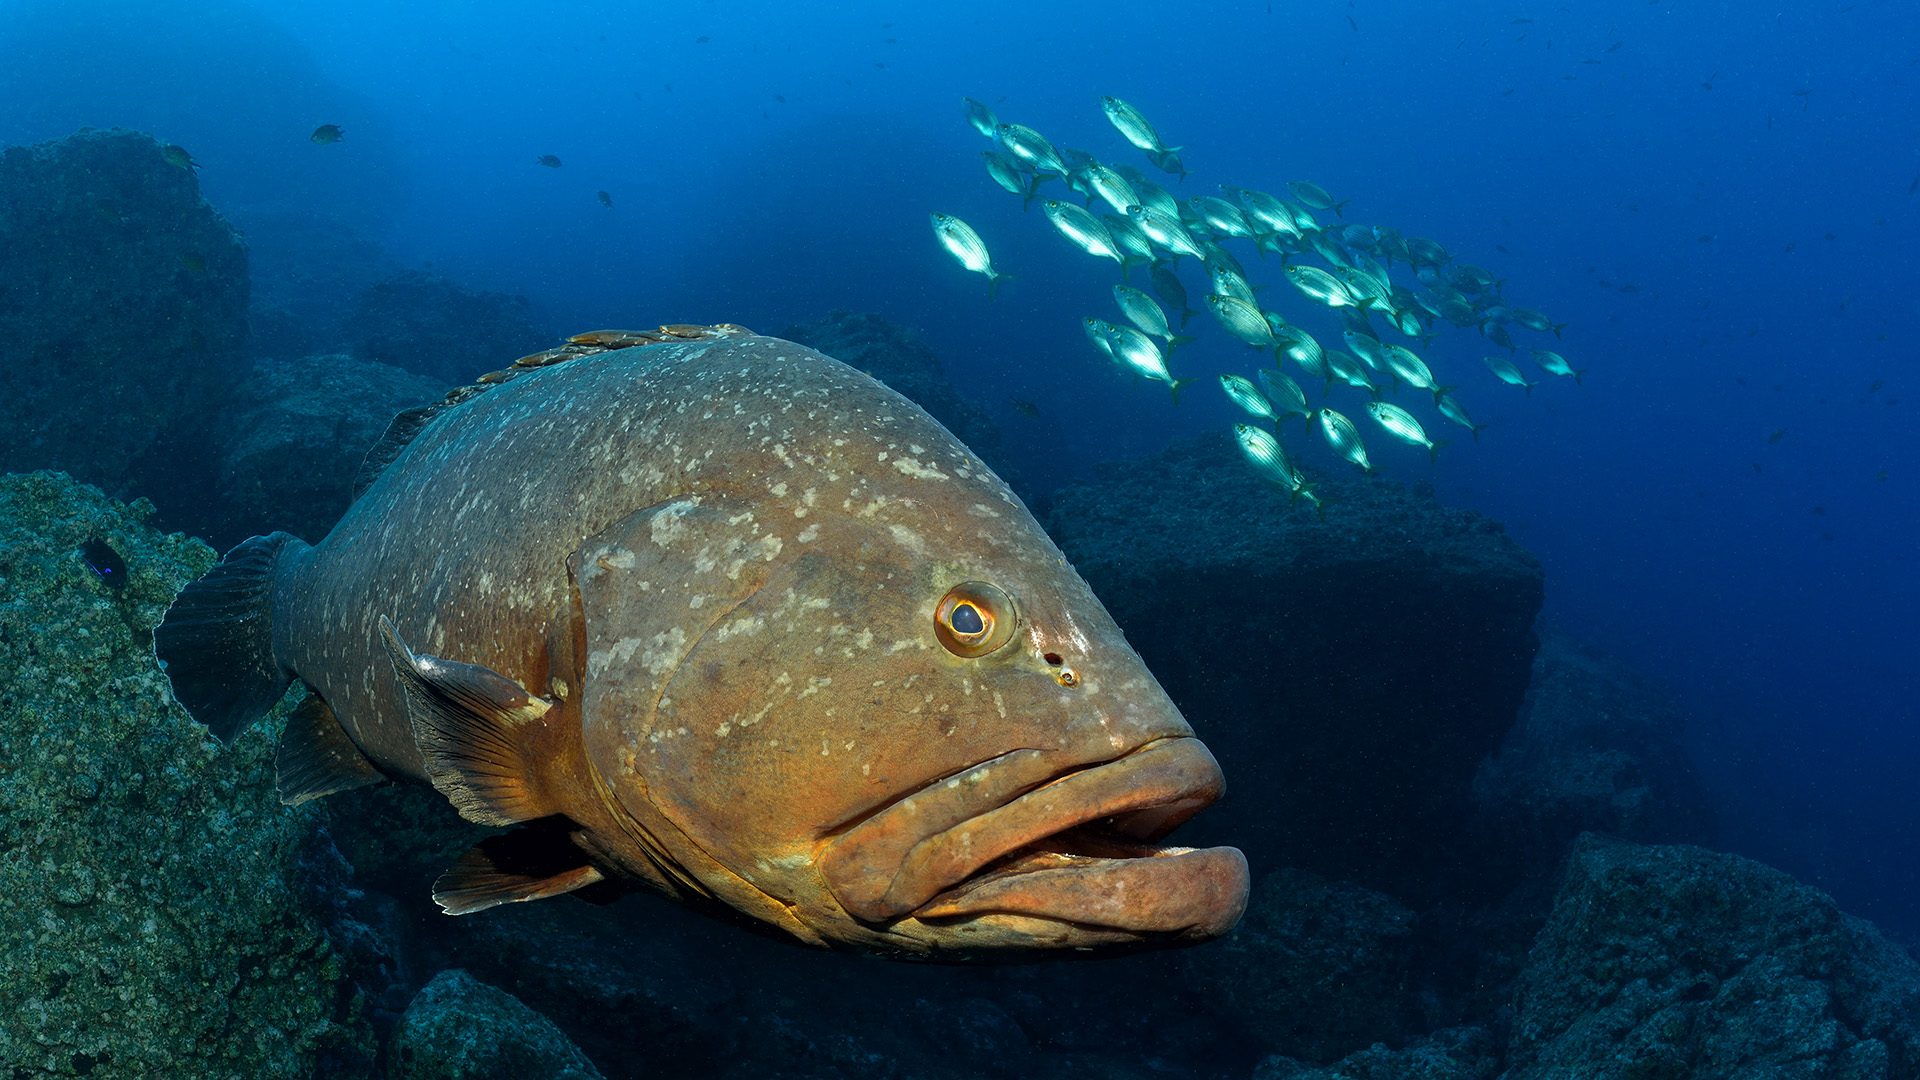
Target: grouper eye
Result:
[[974, 619]]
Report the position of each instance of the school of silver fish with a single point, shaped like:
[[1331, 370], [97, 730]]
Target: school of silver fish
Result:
[[1353, 280]]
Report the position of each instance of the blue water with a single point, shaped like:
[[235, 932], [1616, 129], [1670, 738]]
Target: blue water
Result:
[[1750, 169]]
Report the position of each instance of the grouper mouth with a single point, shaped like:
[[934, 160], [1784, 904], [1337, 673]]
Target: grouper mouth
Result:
[[1021, 836]]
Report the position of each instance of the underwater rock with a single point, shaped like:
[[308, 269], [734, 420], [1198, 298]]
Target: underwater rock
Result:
[[1463, 1053], [1316, 969], [309, 270], [459, 1028], [896, 356], [293, 437], [1681, 962], [1349, 672], [123, 304], [164, 914], [1596, 748], [433, 327]]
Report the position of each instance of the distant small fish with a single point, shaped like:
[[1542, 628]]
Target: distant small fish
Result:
[[1025, 408], [967, 248], [327, 133], [606, 200], [1882, 477], [1616, 46], [193, 262], [1708, 85], [548, 160], [1915, 186], [178, 156], [1519, 22], [1877, 384], [1457, 413], [702, 39], [105, 563], [1168, 161], [1355, 25], [781, 98], [1776, 435]]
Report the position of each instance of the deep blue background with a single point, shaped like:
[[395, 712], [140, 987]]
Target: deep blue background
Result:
[[1749, 170]]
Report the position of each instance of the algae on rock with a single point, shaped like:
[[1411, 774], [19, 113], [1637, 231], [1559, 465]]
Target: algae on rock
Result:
[[165, 915]]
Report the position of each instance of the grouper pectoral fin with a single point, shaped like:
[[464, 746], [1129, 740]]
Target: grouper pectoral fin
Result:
[[317, 758], [473, 727], [532, 862]]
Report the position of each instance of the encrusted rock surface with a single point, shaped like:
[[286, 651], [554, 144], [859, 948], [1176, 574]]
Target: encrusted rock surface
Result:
[[459, 1028], [164, 914], [1350, 672], [1677, 963], [123, 310], [1463, 1053], [293, 436]]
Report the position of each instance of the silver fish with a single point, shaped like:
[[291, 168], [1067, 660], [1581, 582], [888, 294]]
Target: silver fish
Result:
[[1153, 196], [1319, 285], [1300, 347], [1554, 364], [1342, 436], [1401, 425], [1141, 311], [1506, 371], [1221, 216], [1132, 126], [1083, 229], [1263, 452], [966, 246], [1350, 371], [1111, 186], [1367, 348], [1248, 396], [1138, 352], [1168, 162], [1410, 369], [1167, 284], [1228, 283], [1010, 176], [1457, 413], [1133, 244], [1533, 320], [1097, 332], [1316, 196], [980, 115], [1029, 146], [1241, 319], [1284, 394], [1164, 231]]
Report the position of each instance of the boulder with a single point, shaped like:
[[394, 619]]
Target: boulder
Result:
[[293, 436], [164, 914], [436, 328], [459, 1028], [123, 313], [1349, 670], [1462, 1053], [1678, 962], [1316, 969]]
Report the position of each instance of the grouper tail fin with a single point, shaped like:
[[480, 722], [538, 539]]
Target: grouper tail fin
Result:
[[216, 642]]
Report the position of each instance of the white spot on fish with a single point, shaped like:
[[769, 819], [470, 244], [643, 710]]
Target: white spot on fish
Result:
[[914, 468]]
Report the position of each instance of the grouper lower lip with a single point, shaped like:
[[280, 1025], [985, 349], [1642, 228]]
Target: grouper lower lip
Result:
[[1029, 854]]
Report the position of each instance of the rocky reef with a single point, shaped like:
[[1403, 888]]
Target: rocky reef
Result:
[[123, 303], [434, 327], [1350, 671], [165, 915], [293, 436], [459, 1028]]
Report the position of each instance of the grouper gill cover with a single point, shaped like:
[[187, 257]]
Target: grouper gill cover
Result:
[[712, 613]]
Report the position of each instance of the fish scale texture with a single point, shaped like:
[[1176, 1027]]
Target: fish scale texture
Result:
[[159, 916], [1677, 963]]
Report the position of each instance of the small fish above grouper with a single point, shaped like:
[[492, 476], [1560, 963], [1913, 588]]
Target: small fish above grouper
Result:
[[715, 614]]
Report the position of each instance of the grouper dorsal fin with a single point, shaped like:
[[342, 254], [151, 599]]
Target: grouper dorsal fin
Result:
[[317, 758], [473, 728], [532, 862]]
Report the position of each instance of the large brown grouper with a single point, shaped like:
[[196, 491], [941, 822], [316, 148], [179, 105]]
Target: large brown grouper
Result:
[[718, 614]]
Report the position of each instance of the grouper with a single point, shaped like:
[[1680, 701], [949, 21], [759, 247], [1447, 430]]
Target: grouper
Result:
[[712, 613]]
